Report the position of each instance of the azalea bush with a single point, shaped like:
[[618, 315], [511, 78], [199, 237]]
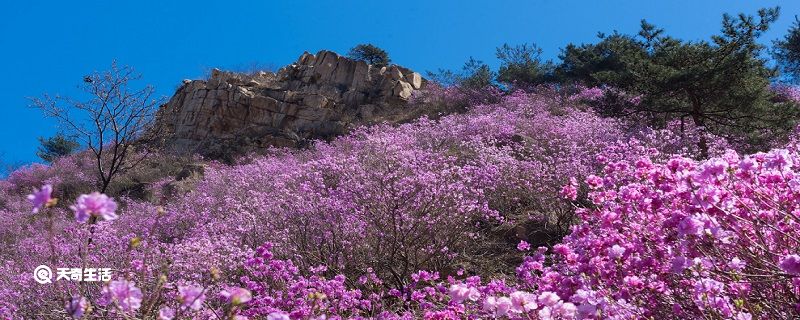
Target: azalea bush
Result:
[[683, 239], [531, 207], [383, 200]]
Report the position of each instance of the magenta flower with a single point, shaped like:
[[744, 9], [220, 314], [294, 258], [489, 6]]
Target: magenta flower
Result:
[[124, 294], [523, 302], [570, 191], [166, 313], [503, 305], [594, 181], [236, 295], [616, 251], [76, 307], [736, 264], [497, 306], [191, 297], [94, 204], [690, 226], [41, 197], [461, 292], [523, 246], [548, 298], [278, 316], [791, 264], [565, 310]]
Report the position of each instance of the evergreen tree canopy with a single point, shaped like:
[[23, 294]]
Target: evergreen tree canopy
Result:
[[55, 147], [787, 51], [721, 85], [522, 65], [475, 74], [370, 54]]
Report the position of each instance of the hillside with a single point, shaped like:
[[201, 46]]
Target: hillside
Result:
[[532, 204]]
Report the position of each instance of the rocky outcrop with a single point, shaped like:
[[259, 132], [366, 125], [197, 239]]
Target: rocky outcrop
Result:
[[317, 97]]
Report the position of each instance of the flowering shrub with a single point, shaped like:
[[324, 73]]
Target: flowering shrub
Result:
[[383, 201], [447, 99], [423, 195], [460, 217], [682, 238]]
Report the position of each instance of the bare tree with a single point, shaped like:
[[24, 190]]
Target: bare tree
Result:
[[110, 121]]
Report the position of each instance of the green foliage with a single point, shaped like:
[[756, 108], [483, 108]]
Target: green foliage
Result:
[[787, 51], [56, 146], [474, 75], [477, 74], [522, 65], [721, 85], [370, 54]]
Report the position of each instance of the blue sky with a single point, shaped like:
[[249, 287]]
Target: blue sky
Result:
[[47, 46]]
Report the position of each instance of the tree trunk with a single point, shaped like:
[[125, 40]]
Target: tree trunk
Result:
[[697, 117]]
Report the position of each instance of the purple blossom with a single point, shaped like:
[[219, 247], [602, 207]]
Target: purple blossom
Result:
[[461, 292], [278, 316], [523, 246], [94, 204], [76, 307], [565, 310], [41, 197], [570, 191], [124, 294], [628, 250], [498, 307], [791, 264], [523, 302], [690, 226], [191, 296], [736, 264], [548, 298], [616, 251], [166, 313], [235, 295]]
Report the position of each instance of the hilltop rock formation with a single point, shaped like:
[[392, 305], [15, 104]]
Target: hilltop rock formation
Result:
[[317, 97]]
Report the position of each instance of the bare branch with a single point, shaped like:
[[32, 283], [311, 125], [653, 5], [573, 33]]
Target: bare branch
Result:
[[109, 121]]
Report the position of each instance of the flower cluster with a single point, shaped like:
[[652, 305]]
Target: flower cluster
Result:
[[527, 206], [683, 238]]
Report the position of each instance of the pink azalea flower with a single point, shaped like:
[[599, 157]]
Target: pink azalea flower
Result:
[[124, 294], [523, 302], [166, 313], [94, 204], [191, 297], [616, 251], [76, 307], [736, 264], [594, 181], [791, 264], [690, 226], [461, 292], [523, 246], [566, 310], [548, 298], [503, 306], [278, 316], [570, 191], [236, 295], [41, 197]]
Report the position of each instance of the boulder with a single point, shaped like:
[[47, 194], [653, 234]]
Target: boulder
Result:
[[415, 79], [318, 96]]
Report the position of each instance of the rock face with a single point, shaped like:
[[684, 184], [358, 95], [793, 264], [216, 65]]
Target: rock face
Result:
[[317, 97]]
